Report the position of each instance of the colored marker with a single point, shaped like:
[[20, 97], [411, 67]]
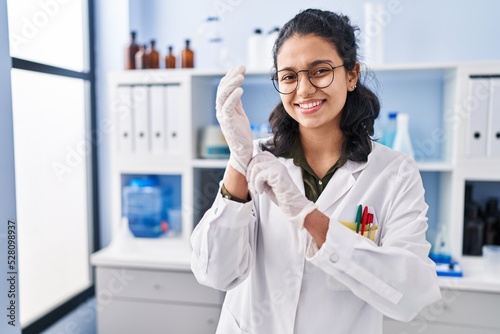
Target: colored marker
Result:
[[358, 217]]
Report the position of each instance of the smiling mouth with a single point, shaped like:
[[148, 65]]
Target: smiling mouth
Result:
[[310, 105]]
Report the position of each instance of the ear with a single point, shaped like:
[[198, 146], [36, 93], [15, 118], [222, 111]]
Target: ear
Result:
[[352, 77]]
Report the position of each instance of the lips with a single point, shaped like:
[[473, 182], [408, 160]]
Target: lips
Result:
[[310, 107]]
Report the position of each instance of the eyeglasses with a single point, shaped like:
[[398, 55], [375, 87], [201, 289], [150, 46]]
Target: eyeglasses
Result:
[[320, 75]]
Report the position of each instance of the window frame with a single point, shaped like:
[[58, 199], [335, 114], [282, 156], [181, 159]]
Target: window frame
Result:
[[88, 76]]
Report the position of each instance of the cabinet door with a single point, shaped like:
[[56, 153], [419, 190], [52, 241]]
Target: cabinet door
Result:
[[396, 327], [138, 316], [154, 285], [458, 312]]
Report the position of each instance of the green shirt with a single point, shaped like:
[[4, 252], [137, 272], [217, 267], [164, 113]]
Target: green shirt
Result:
[[313, 185]]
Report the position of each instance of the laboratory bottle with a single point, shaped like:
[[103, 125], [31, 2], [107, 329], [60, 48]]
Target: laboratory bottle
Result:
[[389, 129], [492, 221], [153, 55], [187, 56], [172, 213], [473, 238], [142, 206], [141, 58], [440, 250], [256, 48], [130, 52], [402, 140], [268, 52], [170, 58], [473, 235]]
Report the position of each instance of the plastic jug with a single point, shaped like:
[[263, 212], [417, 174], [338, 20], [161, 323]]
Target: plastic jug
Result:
[[142, 205], [402, 140]]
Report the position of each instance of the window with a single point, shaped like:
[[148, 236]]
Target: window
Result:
[[56, 176]]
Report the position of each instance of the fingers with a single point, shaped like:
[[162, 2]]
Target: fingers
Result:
[[232, 80], [260, 170], [227, 110]]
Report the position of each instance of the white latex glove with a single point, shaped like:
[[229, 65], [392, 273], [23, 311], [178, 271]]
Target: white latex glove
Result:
[[233, 121], [266, 173]]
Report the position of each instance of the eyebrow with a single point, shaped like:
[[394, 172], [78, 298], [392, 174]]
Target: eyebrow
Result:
[[319, 61]]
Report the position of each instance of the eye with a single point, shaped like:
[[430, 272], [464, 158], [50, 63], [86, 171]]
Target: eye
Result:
[[320, 71], [287, 77]]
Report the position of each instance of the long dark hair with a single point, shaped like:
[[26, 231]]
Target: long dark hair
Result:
[[362, 105]]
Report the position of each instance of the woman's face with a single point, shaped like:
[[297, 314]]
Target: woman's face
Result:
[[311, 107]]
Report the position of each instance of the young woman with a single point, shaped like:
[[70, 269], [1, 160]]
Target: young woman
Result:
[[319, 229]]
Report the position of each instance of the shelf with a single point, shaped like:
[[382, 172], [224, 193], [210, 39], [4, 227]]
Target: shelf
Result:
[[210, 163], [161, 253], [474, 279], [434, 166], [422, 166]]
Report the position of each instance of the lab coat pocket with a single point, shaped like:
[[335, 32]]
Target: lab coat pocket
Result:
[[333, 284], [352, 217], [228, 323]]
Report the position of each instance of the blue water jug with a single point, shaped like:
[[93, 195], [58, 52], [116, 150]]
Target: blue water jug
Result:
[[142, 205]]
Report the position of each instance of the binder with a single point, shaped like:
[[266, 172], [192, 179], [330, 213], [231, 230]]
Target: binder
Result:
[[158, 124], [123, 116], [494, 116], [140, 98], [477, 117], [173, 107]]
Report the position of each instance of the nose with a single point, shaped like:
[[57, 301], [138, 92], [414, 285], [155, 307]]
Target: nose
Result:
[[304, 85]]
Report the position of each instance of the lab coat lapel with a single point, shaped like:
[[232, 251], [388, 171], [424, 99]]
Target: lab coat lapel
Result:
[[295, 173], [340, 183]]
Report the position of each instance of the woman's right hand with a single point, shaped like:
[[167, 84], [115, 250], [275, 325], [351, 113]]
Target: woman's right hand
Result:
[[233, 121], [266, 174]]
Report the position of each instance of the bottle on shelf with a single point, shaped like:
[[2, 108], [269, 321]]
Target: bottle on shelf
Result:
[[473, 236], [153, 55], [440, 250], [142, 206], [492, 221], [256, 47], [389, 129], [130, 51], [170, 58], [268, 52], [402, 140], [141, 58], [187, 56]]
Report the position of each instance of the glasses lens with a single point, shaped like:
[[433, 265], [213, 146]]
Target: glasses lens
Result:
[[321, 75], [285, 81]]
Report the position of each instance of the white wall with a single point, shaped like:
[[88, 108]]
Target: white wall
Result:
[[7, 185], [112, 33]]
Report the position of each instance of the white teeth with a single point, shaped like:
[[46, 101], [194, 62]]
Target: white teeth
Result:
[[309, 105]]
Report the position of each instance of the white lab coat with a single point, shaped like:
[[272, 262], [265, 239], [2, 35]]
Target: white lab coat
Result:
[[278, 281]]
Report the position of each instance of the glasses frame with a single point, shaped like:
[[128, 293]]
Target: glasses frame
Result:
[[274, 78]]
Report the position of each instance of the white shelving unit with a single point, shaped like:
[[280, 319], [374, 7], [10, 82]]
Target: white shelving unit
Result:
[[442, 111]]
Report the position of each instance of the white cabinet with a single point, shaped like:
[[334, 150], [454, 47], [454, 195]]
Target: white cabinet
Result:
[[458, 312], [154, 301], [146, 286], [158, 116]]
